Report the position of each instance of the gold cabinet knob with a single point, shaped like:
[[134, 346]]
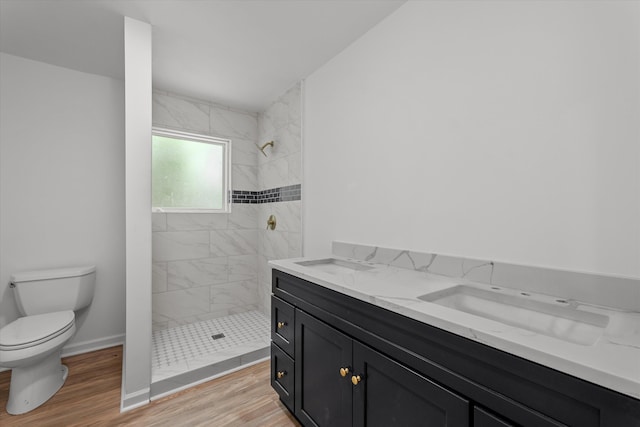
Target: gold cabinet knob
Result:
[[282, 325], [356, 379], [281, 374], [344, 372]]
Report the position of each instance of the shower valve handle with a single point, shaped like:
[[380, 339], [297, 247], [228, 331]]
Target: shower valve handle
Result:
[[271, 222]]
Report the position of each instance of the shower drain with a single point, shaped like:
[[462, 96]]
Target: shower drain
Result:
[[217, 336]]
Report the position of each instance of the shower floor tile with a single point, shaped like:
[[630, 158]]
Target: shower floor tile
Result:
[[191, 347]]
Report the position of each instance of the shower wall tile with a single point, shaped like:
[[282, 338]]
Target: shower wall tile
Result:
[[274, 244], [234, 242], [180, 113], [171, 305], [244, 152], [288, 215], [266, 132], [264, 298], [264, 210], [185, 260], [196, 221], [273, 174], [233, 124], [194, 273], [283, 145], [194, 252], [179, 245], [158, 222], [243, 216], [293, 99], [280, 122], [159, 277], [290, 139], [158, 325], [264, 269], [243, 267], [234, 295], [295, 168], [180, 321], [277, 113], [234, 310], [244, 177]]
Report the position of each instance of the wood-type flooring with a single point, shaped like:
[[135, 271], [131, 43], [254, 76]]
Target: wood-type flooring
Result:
[[91, 397]]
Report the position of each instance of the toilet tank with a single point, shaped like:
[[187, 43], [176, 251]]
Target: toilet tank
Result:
[[46, 291]]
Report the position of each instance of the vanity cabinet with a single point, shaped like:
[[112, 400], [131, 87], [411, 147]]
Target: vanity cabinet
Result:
[[401, 372], [341, 382]]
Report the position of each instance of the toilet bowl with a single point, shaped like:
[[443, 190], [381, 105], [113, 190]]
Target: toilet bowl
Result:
[[31, 345]]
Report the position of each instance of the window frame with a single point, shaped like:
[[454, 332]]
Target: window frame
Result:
[[226, 166]]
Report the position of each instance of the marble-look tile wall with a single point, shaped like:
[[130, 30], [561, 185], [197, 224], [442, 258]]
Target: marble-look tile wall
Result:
[[282, 123], [205, 265], [623, 293]]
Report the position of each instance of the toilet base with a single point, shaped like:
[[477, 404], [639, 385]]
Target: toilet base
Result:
[[33, 385]]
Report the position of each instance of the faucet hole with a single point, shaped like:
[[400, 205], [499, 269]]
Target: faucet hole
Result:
[[525, 294], [495, 287], [563, 301]]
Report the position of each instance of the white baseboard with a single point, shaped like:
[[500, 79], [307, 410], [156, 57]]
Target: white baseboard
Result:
[[92, 345]]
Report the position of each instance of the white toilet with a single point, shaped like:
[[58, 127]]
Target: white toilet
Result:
[[31, 345]]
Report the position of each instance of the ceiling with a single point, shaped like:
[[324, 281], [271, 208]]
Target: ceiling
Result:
[[241, 53]]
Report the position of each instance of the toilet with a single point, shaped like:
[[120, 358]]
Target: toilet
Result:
[[31, 345]]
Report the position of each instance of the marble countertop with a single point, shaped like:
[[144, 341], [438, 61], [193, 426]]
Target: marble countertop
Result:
[[613, 361]]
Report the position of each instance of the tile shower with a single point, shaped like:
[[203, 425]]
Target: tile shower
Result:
[[210, 271]]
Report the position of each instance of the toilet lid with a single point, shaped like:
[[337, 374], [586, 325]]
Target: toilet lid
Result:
[[31, 330]]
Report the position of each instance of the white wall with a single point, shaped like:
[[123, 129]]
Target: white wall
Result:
[[62, 185], [492, 130]]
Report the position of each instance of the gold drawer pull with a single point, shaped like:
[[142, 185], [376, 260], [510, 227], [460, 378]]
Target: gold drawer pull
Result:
[[281, 374], [282, 325], [344, 372], [355, 379]]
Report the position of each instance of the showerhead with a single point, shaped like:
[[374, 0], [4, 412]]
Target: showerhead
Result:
[[265, 145]]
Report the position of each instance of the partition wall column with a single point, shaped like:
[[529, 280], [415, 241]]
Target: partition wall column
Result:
[[136, 375]]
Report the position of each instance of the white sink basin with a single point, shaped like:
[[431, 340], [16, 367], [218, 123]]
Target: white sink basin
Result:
[[334, 266], [555, 319]]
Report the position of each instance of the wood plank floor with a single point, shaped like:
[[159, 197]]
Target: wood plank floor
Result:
[[91, 396]]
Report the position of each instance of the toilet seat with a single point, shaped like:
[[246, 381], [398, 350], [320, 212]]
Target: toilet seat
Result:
[[30, 331]]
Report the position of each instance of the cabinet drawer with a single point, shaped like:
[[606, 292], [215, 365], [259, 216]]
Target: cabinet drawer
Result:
[[282, 324], [282, 375]]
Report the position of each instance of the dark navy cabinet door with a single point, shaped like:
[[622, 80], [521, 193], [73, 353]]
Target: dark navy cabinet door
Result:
[[323, 396], [389, 394]]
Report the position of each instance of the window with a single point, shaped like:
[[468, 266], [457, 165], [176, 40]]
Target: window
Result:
[[190, 173]]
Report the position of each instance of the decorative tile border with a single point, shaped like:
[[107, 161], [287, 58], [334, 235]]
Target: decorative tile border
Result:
[[278, 194], [621, 292]]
